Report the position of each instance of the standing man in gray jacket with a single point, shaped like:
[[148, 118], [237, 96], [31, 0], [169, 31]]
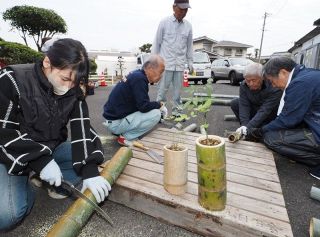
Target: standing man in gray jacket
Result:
[[258, 101], [173, 42]]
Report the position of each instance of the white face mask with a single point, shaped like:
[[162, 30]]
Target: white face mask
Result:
[[57, 88]]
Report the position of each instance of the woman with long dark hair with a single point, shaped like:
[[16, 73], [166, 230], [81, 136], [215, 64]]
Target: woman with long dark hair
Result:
[[37, 102]]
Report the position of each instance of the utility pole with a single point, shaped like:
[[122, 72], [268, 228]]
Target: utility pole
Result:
[[264, 23]]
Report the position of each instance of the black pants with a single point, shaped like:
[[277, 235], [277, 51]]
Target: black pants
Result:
[[296, 144]]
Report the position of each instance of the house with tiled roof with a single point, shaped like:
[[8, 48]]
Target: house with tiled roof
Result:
[[217, 49]]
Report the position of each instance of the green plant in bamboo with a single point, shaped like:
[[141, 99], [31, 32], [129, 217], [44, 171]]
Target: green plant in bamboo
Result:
[[199, 107]]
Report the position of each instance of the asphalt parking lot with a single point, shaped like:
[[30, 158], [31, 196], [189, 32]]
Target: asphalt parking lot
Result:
[[294, 178]]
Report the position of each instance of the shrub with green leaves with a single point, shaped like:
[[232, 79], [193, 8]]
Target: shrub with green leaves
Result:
[[15, 53], [199, 107]]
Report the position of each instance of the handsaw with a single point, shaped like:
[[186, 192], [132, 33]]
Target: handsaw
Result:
[[70, 187], [154, 155]]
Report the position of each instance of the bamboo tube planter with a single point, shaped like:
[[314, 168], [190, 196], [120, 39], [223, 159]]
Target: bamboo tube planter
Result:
[[72, 221], [315, 193], [314, 229], [212, 191], [175, 170]]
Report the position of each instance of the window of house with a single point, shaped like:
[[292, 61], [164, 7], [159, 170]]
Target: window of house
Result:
[[239, 51], [227, 52]]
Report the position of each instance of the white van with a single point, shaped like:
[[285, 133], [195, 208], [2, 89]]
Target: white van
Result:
[[141, 58], [201, 68]]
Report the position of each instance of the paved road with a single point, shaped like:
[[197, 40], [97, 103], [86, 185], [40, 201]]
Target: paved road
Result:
[[295, 182]]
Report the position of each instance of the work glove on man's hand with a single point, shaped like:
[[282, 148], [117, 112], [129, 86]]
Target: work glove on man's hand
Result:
[[242, 130], [163, 110], [255, 133], [99, 187], [51, 173]]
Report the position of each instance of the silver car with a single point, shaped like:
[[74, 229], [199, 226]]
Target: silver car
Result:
[[229, 68]]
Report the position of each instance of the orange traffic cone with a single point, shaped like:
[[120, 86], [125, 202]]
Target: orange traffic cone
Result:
[[185, 78], [102, 80]]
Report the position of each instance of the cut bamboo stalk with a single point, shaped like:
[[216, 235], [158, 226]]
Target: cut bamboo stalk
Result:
[[203, 130], [190, 128], [234, 137], [214, 101], [314, 229], [315, 193], [230, 117], [216, 95], [72, 221]]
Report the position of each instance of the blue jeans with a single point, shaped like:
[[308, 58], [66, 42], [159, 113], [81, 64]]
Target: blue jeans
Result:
[[17, 195], [176, 79], [135, 124]]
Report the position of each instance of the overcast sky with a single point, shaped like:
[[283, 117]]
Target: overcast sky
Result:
[[127, 24]]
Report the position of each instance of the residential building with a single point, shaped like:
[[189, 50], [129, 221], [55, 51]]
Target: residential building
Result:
[[230, 49], [216, 49], [307, 49]]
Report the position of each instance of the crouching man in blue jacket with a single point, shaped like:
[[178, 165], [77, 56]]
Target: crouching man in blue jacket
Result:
[[129, 113], [295, 133]]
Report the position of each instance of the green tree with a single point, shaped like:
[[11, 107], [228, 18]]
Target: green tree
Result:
[[93, 66], [35, 22], [15, 53], [146, 48]]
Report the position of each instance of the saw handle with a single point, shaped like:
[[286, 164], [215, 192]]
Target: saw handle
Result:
[[139, 145]]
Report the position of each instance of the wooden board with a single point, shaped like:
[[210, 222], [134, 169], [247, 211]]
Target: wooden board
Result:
[[255, 204]]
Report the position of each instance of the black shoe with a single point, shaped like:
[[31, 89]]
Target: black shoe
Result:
[[315, 172], [58, 192]]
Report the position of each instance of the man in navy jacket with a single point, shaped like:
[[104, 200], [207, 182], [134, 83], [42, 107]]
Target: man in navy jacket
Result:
[[295, 133], [129, 112]]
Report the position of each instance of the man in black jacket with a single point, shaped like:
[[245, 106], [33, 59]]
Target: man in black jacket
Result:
[[129, 112], [258, 102]]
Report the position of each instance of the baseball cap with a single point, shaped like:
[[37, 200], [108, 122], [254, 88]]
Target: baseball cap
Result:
[[183, 4]]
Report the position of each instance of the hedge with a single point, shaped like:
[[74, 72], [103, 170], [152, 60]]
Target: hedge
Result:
[[15, 53]]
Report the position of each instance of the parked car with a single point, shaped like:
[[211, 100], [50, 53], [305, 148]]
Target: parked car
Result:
[[201, 68], [229, 68]]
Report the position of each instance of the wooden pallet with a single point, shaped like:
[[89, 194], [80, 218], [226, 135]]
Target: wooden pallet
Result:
[[255, 204]]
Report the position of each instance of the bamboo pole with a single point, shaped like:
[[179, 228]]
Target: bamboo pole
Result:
[[216, 95], [214, 101], [314, 229], [71, 223], [315, 193], [190, 128]]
